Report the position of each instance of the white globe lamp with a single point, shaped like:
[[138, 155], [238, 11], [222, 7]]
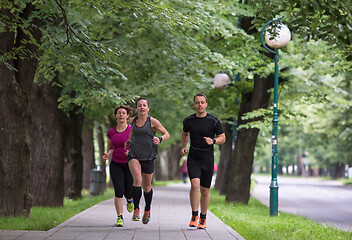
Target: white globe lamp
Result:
[[280, 38], [221, 80]]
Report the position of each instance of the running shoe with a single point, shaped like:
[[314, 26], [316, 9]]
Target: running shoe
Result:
[[119, 222], [135, 216], [194, 221], [202, 223], [146, 217], [130, 206]]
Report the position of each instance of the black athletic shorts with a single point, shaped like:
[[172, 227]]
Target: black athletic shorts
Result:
[[200, 164], [147, 166]]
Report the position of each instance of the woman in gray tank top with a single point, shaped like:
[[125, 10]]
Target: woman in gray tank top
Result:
[[143, 151]]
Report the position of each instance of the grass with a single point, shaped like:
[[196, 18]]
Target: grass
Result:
[[45, 218], [253, 221], [347, 181], [164, 183]]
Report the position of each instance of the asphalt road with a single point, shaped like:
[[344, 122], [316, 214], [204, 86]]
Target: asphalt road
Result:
[[327, 202]]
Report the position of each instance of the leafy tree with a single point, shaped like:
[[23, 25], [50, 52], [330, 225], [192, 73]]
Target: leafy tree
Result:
[[310, 100], [88, 63], [19, 34]]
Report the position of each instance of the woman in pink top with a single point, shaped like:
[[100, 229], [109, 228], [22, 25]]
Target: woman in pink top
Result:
[[119, 171]]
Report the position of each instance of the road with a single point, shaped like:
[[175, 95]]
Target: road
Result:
[[327, 202]]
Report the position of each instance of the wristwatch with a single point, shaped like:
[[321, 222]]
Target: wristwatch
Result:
[[160, 139], [214, 140]]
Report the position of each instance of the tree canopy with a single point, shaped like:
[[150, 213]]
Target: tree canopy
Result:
[[103, 53]]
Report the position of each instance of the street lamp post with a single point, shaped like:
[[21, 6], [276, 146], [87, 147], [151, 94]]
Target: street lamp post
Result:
[[279, 39]]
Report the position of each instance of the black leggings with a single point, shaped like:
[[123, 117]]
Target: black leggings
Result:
[[122, 179]]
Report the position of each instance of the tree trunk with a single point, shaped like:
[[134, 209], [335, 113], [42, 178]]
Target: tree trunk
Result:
[[225, 158], [15, 87], [239, 172], [111, 123], [162, 165], [292, 157], [73, 167], [14, 143], [300, 166], [174, 160], [293, 169], [339, 170], [87, 152], [100, 140], [279, 169], [44, 118]]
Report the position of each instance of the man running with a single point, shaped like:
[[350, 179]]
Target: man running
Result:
[[201, 128]]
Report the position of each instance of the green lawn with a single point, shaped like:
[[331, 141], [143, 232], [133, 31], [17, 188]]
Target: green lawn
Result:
[[253, 222], [45, 218]]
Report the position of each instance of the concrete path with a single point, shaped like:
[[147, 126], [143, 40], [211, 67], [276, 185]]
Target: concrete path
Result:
[[170, 216]]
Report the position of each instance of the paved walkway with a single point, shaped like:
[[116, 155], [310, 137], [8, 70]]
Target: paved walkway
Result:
[[170, 216]]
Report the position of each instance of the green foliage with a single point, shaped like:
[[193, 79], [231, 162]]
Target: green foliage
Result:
[[312, 103], [103, 53]]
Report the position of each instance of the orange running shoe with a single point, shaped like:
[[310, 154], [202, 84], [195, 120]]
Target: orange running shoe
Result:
[[146, 217], [202, 223], [194, 221], [135, 216]]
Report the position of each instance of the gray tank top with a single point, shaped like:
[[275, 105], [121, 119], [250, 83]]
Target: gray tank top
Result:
[[142, 147]]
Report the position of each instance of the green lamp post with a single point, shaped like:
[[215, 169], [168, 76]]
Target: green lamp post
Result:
[[278, 37]]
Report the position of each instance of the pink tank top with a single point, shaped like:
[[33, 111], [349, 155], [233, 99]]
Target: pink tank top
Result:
[[118, 140]]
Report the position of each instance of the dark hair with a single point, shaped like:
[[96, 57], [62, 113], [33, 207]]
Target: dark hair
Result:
[[142, 98], [128, 108], [200, 95]]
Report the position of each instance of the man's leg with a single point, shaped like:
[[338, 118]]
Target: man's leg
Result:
[[207, 175], [204, 204], [204, 200], [194, 198], [194, 194]]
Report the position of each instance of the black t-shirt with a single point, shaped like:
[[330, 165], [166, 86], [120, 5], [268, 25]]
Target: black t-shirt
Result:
[[199, 128]]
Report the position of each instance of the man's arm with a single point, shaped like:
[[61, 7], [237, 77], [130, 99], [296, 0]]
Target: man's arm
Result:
[[184, 141], [220, 139]]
